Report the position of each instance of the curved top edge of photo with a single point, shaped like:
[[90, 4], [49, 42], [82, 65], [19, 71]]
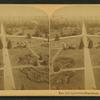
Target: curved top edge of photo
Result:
[[77, 11], [19, 10]]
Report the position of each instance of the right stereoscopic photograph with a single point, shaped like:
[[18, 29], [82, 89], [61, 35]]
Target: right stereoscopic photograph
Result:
[[75, 48]]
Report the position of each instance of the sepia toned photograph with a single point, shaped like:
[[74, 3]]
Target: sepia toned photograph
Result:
[[49, 50], [24, 49]]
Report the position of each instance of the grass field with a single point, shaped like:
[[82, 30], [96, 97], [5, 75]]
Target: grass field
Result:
[[97, 78], [76, 58], [94, 52], [68, 80], [41, 50], [36, 44], [95, 56], [1, 58], [16, 53], [1, 80], [28, 79]]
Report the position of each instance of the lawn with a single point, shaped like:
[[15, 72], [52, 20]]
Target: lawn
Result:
[[70, 59], [30, 79], [97, 78], [95, 51], [41, 50], [34, 42], [1, 58], [38, 45], [95, 56], [16, 53], [68, 80], [1, 79]]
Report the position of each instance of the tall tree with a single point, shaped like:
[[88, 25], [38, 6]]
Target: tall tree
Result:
[[9, 45], [57, 37], [90, 44], [29, 36], [1, 45], [81, 44]]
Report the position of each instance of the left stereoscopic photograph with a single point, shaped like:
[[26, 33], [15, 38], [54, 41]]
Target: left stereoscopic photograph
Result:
[[24, 48]]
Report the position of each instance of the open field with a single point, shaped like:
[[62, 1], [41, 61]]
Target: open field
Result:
[[69, 59], [95, 56], [94, 51], [30, 79], [16, 54], [1, 79], [97, 78], [1, 59], [68, 80]]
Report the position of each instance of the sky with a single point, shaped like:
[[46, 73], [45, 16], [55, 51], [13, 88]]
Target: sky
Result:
[[52, 10], [14, 10], [78, 11]]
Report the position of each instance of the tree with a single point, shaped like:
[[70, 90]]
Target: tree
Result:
[[57, 67], [35, 63], [1, 45], [81, 44], [29, 36], [57, 37], [64, 46], [40, 57], [44, 62], [37, 33], [9, 45], [90, 44]]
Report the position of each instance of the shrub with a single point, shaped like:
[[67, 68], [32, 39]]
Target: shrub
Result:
[[57, 37], [28, 36], [1, 45], [9, 45], [35, 63], [57, 68], [90, 44], [81, 44]]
